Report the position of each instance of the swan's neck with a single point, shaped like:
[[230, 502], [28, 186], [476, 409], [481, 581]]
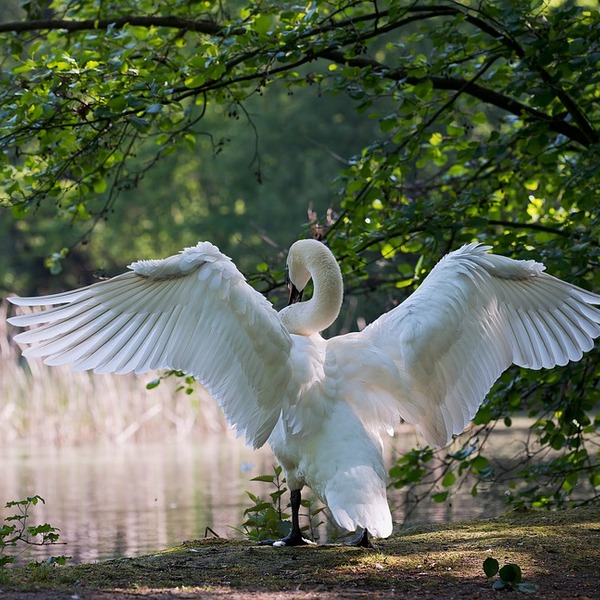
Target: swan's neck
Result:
[[318, 313]]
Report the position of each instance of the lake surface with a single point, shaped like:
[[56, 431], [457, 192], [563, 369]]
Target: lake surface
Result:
[[127, 500]]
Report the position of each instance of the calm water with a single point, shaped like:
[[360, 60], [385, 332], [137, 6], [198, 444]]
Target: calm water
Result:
[[111, 501]]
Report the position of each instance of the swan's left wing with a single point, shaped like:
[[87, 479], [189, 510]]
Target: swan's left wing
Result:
[[473, 316], [192, 312]]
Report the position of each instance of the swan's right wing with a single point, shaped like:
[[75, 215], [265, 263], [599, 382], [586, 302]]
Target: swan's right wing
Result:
[[192, 312]]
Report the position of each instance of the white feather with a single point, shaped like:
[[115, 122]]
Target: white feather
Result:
[[473, 316], [165, 314], [323, 403]]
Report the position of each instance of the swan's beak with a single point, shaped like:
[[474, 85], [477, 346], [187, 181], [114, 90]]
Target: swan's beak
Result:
[[295, 294]]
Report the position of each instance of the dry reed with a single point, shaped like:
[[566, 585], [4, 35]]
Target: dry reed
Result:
[[57, 405]]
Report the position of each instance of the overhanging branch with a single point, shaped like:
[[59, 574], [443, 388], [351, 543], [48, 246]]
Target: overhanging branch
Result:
[[471, 88], [201, 26], [580, 131]]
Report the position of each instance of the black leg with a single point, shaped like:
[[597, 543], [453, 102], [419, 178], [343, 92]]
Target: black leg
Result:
[[362, 540], [294, 538]]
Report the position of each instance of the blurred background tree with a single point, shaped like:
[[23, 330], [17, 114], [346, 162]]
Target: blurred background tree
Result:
[[396, 131]]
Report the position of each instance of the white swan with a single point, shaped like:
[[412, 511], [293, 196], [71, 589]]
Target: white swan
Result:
[[320, 403]]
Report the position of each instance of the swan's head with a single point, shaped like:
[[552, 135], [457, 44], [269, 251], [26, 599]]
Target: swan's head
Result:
[[311, 259], [299, 256], [307, 258]]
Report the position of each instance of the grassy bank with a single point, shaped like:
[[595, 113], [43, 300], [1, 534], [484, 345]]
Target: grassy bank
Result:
[[558, 553], [56, 405]]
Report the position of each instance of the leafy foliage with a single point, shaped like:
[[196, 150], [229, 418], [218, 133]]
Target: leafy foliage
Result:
[[510, 576], [268, 519], [16, 530], [480, 122]]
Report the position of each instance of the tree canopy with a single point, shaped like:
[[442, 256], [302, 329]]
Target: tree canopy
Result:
[[474, 121]]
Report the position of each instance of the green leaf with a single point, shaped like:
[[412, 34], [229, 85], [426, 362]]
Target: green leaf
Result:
[[436, 139], [479, 118], [58, 560], [6, 560], [258, 507], [455, 130], [19, 211], [195, 80], [140, 124], [491, 566], [424, 90], [388, 123], [117, 104], [6, 530], [483, 416], [99, 185], [154, 109], [449, 479], [264, 478], [479, 463], [262, 24], [537, 144], [510, 573], [439, 496]]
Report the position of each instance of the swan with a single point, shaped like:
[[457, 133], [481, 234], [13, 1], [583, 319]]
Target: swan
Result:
[[322, 404]]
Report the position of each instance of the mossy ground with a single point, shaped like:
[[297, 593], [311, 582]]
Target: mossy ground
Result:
[[559, 552]]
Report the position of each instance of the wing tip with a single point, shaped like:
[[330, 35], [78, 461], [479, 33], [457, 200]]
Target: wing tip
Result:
[[18, 300]]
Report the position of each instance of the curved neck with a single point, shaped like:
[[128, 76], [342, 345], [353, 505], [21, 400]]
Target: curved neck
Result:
[[318, 313]]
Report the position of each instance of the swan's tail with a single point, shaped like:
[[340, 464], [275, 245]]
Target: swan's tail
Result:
[[357, 499]]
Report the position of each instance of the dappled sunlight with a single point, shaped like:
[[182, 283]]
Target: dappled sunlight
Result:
[[539, 542]]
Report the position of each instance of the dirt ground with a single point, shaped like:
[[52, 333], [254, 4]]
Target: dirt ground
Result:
[[559, 553]]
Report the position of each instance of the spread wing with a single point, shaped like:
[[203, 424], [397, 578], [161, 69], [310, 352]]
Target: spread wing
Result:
[[191, 312], [473, 316]]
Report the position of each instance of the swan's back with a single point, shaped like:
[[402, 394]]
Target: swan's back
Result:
[[324, 439]]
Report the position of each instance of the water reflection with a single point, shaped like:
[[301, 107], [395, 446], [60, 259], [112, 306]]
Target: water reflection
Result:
[[132, 499], [124, 500]]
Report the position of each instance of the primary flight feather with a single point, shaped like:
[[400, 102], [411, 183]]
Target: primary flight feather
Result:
[[322, 404]]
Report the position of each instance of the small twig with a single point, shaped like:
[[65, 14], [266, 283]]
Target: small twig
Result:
[[208, 530]]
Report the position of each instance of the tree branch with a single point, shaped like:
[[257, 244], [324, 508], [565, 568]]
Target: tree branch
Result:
[[540, 227], [463, 85], [581, 132], [202, 26]]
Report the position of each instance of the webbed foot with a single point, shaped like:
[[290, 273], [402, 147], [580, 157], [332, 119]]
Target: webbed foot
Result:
[[294, 538], [288, 540], [362, 540]]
